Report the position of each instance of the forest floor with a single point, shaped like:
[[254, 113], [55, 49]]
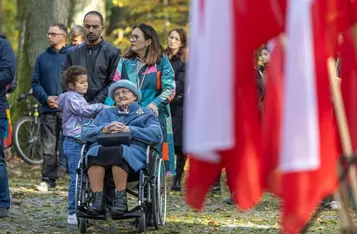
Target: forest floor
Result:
[[46, 212]]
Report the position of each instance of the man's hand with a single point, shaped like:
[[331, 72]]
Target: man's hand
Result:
[[52, 101]]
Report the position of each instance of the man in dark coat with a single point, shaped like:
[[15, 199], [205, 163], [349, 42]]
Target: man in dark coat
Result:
[[7, 74], [99, 57], [46, 85]]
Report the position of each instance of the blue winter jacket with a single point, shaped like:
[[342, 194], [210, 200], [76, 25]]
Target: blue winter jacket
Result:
[[143, 125], [46, 76]]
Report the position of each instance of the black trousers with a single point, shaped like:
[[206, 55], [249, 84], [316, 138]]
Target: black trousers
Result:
[[51, 125], [180, 161]]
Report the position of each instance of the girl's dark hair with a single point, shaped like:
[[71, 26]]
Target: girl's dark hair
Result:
[[155, 50], [182, 53], [70, 76]]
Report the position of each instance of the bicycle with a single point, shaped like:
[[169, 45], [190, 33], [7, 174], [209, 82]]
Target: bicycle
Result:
[[27, 135]]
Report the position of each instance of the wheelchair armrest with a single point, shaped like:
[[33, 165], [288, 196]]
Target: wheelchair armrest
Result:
[[114, 139], [150, 144]]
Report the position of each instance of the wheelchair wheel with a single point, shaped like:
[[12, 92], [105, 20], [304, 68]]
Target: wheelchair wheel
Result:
[[82, 225], [154, 203], [141, 223], [161, 191]]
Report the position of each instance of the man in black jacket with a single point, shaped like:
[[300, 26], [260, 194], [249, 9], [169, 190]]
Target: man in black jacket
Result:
[[46, 85], [7, 74], [99, 57]]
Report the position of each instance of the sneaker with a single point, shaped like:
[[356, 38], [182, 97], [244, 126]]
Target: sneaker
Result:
[[216, 188], [44, 187], [4, 212], [335, 205], [72, 219]]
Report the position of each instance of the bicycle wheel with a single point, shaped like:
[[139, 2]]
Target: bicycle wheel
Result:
[[27, 140]]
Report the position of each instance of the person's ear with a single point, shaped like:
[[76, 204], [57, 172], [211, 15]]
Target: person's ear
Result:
[[148, 42], [71, 86]]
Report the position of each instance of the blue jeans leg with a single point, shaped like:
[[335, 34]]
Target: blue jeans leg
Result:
[[72, 149], [4, 180]]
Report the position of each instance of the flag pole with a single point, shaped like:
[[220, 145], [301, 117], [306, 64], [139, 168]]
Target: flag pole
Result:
[[341, 194]]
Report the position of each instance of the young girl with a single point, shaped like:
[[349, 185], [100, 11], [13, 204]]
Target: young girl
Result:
[[76, 112]]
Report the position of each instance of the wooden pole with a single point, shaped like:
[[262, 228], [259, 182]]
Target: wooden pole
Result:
[[345, 143]]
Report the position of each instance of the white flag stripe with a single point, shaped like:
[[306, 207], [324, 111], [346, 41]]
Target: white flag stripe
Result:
[[210, 78], [300, 131]]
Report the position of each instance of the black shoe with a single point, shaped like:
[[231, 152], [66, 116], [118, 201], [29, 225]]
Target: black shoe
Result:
[[176, 186], [150, 220], [96, 207], [120, 205], [229, 201]]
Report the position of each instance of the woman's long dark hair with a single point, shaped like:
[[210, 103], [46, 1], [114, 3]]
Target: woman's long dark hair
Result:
[[182, 53], [155, 50]]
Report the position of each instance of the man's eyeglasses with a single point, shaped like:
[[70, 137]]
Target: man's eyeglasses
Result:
[[53, 34]]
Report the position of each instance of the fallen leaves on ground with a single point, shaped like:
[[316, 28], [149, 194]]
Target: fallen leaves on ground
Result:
[[37, 212]]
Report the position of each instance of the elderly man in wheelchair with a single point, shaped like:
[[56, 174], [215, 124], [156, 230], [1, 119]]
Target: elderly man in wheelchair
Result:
[[131, 125]]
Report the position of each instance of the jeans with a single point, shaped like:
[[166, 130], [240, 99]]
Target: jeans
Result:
[[4, 180], [72, 150], [51, 124]]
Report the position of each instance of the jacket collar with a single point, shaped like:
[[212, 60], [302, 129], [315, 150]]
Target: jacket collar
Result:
[[134, 110], [133, 107], [96, 45]]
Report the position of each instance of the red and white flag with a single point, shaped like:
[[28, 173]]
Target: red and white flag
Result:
[[308, 159], [271, 126], [348, 75], [222, 128], [209, 109]]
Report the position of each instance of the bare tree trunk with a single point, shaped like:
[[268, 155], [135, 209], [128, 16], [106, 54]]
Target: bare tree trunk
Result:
[[80, 7], [1, 9], [39, 15]]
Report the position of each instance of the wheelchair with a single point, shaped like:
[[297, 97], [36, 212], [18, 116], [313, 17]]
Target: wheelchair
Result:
[[150, 191]]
